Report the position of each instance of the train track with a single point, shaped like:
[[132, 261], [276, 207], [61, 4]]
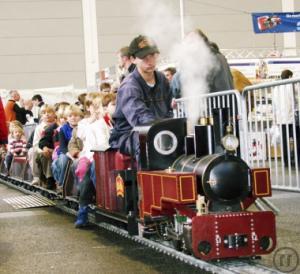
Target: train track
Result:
[[244, 266]]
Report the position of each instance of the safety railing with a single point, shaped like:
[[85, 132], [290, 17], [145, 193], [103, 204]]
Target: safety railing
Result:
[[266, 119], [206, 105], [271, 120]]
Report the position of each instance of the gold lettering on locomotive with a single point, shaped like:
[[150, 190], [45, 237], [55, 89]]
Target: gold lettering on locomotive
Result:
[[120, 186]]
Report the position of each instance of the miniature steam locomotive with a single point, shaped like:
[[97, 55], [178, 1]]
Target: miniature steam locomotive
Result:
[[187, 192]]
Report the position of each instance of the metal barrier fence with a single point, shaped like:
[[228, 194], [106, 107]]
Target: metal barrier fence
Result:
[[206, 104], [266, 118], [271, 124]]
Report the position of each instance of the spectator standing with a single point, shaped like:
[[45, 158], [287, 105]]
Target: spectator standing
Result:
[[240, 81], [169, 73], [219, 78], [286, 74], [12, 110], [285, 110], [28, 105], [125, 61], [38, 102]]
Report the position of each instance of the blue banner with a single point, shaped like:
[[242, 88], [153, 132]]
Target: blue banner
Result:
[[276, 22]]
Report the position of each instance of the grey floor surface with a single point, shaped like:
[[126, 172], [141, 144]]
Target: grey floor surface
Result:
[[43, 240]]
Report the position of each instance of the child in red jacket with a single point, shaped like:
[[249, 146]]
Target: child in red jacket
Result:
[[3, 129]]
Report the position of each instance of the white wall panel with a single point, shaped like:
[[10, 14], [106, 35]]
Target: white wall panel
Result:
[[41, 45], [41, 63], [19, 10], [41, 28], [41, 80], [41, 41]]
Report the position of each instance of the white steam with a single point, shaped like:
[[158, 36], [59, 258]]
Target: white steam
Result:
[[193, 57], [195, 62], [160, 22]]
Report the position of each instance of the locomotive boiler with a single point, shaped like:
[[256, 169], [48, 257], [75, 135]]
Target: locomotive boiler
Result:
[[185, 194]]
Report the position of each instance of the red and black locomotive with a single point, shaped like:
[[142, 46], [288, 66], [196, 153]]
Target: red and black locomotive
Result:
[[186, 194]]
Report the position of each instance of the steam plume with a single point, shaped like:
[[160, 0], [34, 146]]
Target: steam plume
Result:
[[192, 55]]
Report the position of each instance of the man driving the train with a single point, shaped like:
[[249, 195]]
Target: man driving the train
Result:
[[143, 97]]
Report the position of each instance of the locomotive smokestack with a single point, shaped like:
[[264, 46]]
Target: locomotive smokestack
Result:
[[203, 138], [220, 120], [189, 144]]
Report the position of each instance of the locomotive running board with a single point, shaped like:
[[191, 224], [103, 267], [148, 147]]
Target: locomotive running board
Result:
[[246, 266]]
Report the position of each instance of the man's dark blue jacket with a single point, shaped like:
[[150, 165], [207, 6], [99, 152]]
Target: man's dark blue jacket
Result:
[[138, 104]]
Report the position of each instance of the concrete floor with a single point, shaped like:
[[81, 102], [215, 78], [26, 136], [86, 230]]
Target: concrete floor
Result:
[[43, 240], [288, 226]]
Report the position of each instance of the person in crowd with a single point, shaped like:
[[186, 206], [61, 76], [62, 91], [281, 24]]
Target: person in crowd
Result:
[[61, 120], [73, 115], [175, 86], [240, 81], [61, 105], [219, 78], [3, 129], [105, 87], [46, 147], [114, 87], [96, 138], [285, 112], [143, 97], [60, 114], [12, 110], [81, 101], [109, 105], [125, 62], [286, 74], [169, 73], [28, 105], [38, 102], [48, 118], [16, 144]]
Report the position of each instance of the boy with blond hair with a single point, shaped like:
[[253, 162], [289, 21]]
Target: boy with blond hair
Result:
[[73, 115]]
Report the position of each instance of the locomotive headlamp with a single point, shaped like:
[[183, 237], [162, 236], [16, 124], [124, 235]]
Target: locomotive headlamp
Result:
[[229, 141]]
